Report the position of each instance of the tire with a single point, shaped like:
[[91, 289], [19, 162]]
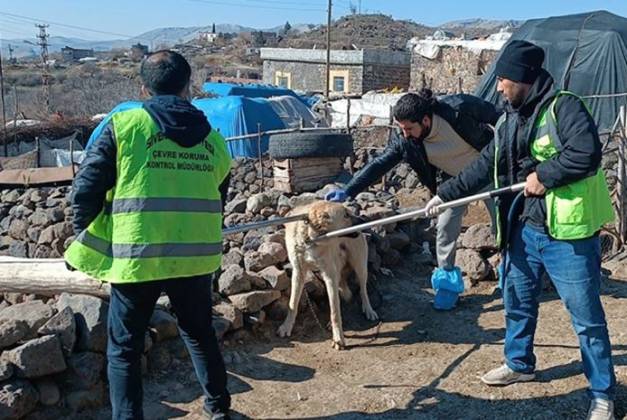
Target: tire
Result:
[[310, 144]]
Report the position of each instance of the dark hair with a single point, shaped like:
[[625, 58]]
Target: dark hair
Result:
[[414, 106], [165, 72]]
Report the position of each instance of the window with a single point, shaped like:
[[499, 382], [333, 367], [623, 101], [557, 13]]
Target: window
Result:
[[283, 79], [339, 81]]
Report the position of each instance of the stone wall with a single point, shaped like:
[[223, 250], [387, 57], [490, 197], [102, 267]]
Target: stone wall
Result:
[[311, 76], [378, 76], [453, 65]]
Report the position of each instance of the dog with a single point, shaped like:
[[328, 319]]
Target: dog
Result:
[[333, 258]]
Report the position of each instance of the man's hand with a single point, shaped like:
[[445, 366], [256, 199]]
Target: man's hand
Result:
[[336, 196], [533, 186], [432, 208]]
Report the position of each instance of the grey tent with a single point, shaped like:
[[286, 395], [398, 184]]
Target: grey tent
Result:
[[585, 53]]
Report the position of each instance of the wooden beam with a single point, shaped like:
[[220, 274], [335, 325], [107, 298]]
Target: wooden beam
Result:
[[46, 277]]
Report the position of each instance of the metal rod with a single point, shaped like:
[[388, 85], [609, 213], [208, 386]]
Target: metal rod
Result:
[[283, 131], [327, 86], [412, 214], [264, 223], [4, 111], [259, 153]]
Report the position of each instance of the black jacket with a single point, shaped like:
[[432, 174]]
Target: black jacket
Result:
[[579, 158], [178, 119], [468, 115]]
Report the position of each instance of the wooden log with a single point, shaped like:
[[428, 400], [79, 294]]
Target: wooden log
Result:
[[46, 277]]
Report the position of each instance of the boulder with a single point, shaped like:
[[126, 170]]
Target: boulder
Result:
[[47, 236], [12, 331], [479, 237], [231, 313], [391, 258], [18, 249], [252, 241], [233, 280], [34, 314], [472, 264], [276, 250], [256, 261], [233, 257], [90, 314], [81, 400], [399, 240], [237, 205], [39, 218], [63, 325], [85, 371], [39, 357], [254, 301], [17, 399], [164, 325], [255, 203], [18, 229], [220, 326], [277, 279], [55, 214], [6, 370]]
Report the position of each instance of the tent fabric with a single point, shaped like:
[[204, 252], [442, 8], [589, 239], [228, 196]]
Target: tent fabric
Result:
[[239, 115], [253, 90], [585, 53]]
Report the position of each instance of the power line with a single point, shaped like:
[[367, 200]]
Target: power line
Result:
[[45, 74], [250, 6]]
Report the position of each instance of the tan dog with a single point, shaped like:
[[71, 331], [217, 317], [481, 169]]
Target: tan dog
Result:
[[333, 258]]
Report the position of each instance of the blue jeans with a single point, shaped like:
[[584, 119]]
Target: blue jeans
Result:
[[130, 309], [575, 269]]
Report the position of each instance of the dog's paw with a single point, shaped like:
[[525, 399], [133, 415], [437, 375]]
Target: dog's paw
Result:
[[370, 313], [284, 330], [339, 345]]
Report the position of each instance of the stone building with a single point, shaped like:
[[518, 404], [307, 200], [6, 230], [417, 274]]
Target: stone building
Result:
[[75, 54], [451, 66], [352, 71]]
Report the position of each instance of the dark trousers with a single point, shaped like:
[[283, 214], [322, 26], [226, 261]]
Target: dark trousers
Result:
[[130, 310]]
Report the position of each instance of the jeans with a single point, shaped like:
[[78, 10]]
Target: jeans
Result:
[[130, 310], [575, 269]]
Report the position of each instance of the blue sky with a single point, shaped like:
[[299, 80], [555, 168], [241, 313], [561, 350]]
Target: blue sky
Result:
[[124, 17]]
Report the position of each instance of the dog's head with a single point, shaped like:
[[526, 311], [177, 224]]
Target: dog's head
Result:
[[324, 217]]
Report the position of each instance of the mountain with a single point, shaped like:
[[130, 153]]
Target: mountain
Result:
[[481, 24]]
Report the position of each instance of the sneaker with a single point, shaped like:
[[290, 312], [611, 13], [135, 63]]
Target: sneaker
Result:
[[503, 375], [601, 409], [217, 415]]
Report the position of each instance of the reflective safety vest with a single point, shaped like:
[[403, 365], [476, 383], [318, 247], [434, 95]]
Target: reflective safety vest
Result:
[[576, 210], [163, 217]]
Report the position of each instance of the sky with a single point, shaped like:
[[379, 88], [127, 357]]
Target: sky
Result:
[[114, 19]]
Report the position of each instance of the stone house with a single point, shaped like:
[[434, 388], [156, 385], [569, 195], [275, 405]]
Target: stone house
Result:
[[352, 72]]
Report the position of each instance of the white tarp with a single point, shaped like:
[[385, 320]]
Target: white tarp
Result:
[[430, 48], [374, 105], [291, 110], [52, 153]]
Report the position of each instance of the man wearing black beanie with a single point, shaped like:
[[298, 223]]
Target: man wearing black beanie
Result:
[[547, 139]]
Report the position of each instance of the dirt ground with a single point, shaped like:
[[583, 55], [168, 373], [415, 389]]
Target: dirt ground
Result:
[[418, 363]]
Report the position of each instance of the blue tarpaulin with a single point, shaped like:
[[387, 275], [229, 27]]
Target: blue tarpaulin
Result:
[[236, 116], [253, 90]]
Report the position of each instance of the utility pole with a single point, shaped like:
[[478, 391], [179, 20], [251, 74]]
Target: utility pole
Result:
[[45, 75], [11, 59], [4, 109], [359, 10], [328, 70]]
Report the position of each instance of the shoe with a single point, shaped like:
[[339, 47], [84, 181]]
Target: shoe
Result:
[[217, 415], [601, 409], [503, 375]]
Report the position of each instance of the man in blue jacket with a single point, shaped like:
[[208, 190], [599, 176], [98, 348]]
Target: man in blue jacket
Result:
[[445, 135]]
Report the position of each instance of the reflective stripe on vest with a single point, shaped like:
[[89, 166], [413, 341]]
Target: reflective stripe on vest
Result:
[[163, 218]]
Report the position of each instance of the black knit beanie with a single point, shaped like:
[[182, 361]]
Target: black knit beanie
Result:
[[520, 61]]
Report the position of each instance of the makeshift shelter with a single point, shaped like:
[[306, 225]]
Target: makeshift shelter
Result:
[[238, 116], [585, 53]]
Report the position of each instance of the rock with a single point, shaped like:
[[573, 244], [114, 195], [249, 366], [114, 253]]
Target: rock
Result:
[[18, 229], [472, 264], [42, 251], [90, 314], [147, 342], [164, 302], [479, 237], [277, 237], [233, 280], [231, 313], [55, 214], [159, 359], [62, 231], [383, 244], [391, 258], [63, 324], [164, 325], [39, 218], [256, 261], [12, 331], [49, 393], [398, 240], [276, 250], [252, 241], [6, 370], [234, 219], [18, 249], [85, 371], [233, 257], [254, 301], [39, 357], [278, 279], [38, 196], [17, 399], [365, 197], [236, 206], [47, 236], [81, 400], [302, 199], [256, 281], [220, 326], [377, 212], [11, 197], [255, 203], [277, 310], [34, 314]]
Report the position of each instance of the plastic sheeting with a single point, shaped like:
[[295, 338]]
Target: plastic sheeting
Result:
[[52, 153], [252, 90], [593, 45], [374, 105], [431, 48]]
